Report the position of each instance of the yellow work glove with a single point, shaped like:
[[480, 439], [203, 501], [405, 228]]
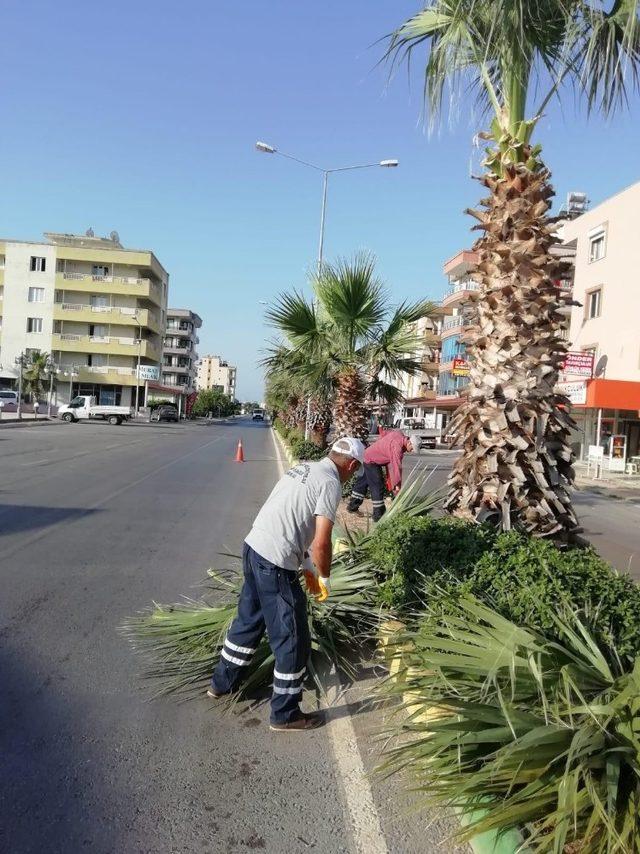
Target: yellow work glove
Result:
[[317, 585]]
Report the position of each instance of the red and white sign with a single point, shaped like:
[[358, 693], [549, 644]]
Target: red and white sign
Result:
[[460, 368], [579, 364]]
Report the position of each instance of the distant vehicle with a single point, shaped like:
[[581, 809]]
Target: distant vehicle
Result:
[[164, 413], [8, 396], [257, 415], [85, 406], [427, 437]]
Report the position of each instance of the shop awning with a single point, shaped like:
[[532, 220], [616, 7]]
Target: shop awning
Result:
[[611, 394], [167, 389]]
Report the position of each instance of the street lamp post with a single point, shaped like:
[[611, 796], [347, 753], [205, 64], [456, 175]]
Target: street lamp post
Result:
[[265, 148]]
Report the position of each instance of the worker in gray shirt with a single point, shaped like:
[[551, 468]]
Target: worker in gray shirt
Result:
[[292, 529]]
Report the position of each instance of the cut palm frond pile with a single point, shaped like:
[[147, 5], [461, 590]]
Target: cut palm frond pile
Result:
[[537, 734], [181, 643]]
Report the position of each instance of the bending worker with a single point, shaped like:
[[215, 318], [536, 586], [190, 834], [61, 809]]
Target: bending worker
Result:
[[295, 523], [388, 451]]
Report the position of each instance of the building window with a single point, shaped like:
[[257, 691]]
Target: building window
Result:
[[38, 264], [99, 271], [34, 324], [594, 303], [36, 294], [596, 246]]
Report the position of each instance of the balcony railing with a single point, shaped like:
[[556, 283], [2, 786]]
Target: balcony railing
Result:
[[453, 322], [120, 280], [462, 285], [101, 339], [109, 369], [103, 309]]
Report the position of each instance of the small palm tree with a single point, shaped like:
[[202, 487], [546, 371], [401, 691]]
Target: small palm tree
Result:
[[35, 374], [349, 345], [516, 466]]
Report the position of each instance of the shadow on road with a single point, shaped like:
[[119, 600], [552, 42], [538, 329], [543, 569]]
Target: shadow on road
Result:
[[51, 784], [17, 518]]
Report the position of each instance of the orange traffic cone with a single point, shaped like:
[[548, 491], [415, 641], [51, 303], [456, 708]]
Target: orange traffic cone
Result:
[[239, 452]]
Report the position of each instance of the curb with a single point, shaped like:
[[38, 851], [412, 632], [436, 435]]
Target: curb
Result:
[[285, 448], [6, 424]]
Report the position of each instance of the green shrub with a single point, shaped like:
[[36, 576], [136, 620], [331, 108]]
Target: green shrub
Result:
[[415, 556], [305, 450], [528, 580]]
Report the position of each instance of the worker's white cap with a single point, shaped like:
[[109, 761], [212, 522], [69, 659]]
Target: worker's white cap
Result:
[[350, 447]]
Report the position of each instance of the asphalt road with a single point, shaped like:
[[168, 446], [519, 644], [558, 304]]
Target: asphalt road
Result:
[[95, 522], [612, 525]]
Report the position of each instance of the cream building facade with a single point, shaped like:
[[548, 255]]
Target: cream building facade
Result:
[[216, 372], [98, 309], [606, 324]]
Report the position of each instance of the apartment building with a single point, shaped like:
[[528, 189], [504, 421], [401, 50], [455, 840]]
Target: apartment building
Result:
[[419, 391], [179, 354], [602, 374], [214, 372], [95, 306]]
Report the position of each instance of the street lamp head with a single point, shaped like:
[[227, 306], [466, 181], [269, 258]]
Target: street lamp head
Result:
[[388, 163], [267, 149]]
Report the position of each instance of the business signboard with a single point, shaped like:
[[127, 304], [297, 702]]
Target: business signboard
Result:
[[576, 392], [460, 368], [578, 364], [148, 372]]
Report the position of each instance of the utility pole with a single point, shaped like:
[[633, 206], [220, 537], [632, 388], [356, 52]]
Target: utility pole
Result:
[[138, 365], [20, 362]]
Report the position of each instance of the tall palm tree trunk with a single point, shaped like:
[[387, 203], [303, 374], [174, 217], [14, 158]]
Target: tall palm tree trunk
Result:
[[319, 421], [349, 412], [516, 465]]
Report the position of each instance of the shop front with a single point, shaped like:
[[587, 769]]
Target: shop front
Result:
[[607, 414]]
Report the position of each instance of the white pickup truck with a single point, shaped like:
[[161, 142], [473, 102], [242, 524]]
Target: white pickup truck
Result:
[[84, 406], [427, 437]]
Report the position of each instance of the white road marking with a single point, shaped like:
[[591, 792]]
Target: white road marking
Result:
[[106, 499], [366, 828]]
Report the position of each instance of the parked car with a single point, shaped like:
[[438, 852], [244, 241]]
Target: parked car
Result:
[[85, 406], [257, 415], [164, 413], [7, 396]]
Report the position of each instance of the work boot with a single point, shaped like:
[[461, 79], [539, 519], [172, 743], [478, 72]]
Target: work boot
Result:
[[301, 724]]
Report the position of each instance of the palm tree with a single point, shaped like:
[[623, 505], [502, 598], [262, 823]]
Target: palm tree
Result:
[[348, 345], [516, 466], [35, 373]]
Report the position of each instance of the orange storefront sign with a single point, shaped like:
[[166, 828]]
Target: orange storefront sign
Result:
[[612, 394]]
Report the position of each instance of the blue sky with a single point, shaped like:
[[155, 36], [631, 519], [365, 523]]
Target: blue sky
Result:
[[143, 116]]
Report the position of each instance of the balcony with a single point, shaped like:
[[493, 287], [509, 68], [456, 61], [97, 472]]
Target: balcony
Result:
[[105, 344], [459, 293], [176, 350], [104, 375], [179, 331], [120, 315], [453, 325], [461, 263], [142, 288], [430, 366]]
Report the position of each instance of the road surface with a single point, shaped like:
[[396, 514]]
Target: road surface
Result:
[[95, 522]]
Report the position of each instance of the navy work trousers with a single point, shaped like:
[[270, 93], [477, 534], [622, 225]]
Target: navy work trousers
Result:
[[372, 479], [270, 598]]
